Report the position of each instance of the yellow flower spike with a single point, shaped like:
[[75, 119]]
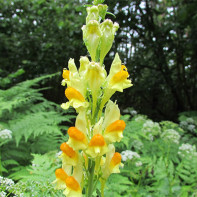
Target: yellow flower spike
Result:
[[91, 37], [69, 156], [97, 146], [77, 139], [73, 188], [60, 180]]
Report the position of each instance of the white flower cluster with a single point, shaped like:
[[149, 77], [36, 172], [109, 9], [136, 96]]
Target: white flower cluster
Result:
[[9, 186], [187, 150], [129, 155], [171, 135], [189, 124], [3, 194], [5, 134], [130, 111], [7, 183], [151, 129], [138, 144], [140, 118]]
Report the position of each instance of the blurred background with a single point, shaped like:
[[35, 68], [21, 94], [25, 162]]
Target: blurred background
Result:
[[156, 40]]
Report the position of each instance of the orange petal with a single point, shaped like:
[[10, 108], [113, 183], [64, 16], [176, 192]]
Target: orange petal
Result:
[[121, 75], [97, 140], [118, 125], [74, 133], [61, 174], [65, 74], [67, 150], [72, 93], [116, 159], [72, 183]]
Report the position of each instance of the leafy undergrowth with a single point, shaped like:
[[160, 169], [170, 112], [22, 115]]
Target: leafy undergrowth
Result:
[[159, 159]]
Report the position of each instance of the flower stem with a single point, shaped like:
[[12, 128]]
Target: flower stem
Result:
[[91, 180]]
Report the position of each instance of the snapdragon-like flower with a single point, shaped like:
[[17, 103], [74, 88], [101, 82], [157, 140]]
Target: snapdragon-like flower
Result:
[[112, 163], [113, 126]]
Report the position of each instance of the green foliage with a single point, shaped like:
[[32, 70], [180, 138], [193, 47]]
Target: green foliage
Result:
[[165, 166], [36, 179], [35, 123]]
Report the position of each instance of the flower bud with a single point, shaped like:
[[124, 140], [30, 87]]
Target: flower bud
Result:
[[84, 61], [102, 10], [91, 37], [93, 14], [108, 30]]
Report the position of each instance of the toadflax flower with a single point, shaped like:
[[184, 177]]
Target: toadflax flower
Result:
[[113, 126]]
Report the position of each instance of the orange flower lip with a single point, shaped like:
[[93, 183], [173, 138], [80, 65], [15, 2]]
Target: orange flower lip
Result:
[[72, 93], [65, 74], [121, 75], [97, 140], [74, 133], [116, 159], [61, 174], [118, 125], [67, 150], [72, 183]]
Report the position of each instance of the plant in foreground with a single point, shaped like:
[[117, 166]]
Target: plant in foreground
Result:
[[89, 154]]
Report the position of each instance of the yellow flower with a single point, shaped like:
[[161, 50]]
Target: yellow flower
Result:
[[60, 180], [112, 162], [97, 146], [76, 99], [69, 156], [95, 75], [76, 90], [77, 139], [118, 76], [113, 127]]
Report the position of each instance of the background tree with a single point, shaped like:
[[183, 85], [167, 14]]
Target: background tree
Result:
[[157, 41]]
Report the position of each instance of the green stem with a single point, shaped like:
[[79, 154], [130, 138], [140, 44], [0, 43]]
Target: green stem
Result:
[[91, 180], [102, 187]]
